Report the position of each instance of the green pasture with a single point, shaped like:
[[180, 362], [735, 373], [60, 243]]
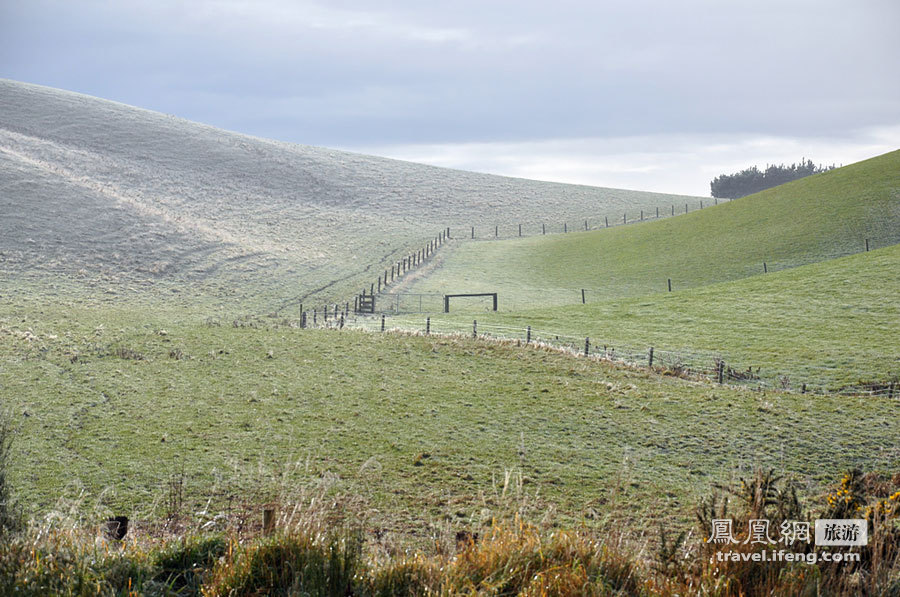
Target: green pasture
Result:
[[815, 219], [113, 406]]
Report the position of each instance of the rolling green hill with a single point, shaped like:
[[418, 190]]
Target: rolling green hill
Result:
[[807, 221], [833, 325]]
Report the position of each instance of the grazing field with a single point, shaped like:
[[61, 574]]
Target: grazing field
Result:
[[824, 315], [833, 325], [96, 191], [151, 365], [423, 431], [815, 219]]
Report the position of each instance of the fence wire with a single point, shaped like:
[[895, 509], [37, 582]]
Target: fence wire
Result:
[[691, 364]]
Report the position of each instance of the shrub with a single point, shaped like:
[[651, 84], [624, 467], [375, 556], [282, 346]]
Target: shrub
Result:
[[183, 566], [291, 564]]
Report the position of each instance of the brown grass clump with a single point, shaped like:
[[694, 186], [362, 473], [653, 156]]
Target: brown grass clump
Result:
[[518, 560]]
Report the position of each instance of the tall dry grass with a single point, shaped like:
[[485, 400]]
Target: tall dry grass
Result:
[[320, 547]]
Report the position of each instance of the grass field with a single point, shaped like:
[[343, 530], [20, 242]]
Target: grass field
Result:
[[423, 430], [811, 220], [823, 315], [833, 325], [155, 369]]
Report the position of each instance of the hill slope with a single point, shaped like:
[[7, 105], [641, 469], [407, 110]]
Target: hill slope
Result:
[[832, 325], [101, 188], [814, 219]]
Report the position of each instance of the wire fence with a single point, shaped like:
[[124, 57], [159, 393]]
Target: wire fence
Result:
[[697, 364], [597, 222]]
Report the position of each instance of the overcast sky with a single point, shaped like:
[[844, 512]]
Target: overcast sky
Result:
[[654, 95]]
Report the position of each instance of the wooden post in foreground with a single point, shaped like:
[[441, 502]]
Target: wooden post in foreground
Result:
[[268, 521]]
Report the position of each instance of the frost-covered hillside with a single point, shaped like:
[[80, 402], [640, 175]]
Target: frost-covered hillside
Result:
[[90, 187]]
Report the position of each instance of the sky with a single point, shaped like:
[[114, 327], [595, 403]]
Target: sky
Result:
[[657, 95]]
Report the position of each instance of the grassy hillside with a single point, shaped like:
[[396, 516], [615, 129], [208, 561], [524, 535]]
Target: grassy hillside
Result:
[[422, 430], [833, 325], [95, 192], [811, 220]]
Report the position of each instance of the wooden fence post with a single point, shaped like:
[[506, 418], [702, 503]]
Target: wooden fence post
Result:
[[720, 373], [314, 317], [427, 325], [528, 335], [765, 268], [625, 218], [582, 296], [520, 230], [673, 209], [607, 221], [642, 215], [670, 284], [585, 225], [685, 208], [473, 231], [303, 320], [867, 245], [657, 211], [382, 322], [543, 228], [268, 521], [496, 228], [587, 346], [474, 328], [650, 358]]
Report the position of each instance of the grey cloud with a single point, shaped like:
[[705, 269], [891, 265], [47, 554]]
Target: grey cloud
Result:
[[348, 73]]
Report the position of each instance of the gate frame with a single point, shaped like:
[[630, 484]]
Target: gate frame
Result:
[[447, 298]]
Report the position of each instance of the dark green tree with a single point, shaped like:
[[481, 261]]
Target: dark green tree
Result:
[[753, 180]]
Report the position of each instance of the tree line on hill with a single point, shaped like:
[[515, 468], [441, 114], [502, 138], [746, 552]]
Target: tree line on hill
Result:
[[752, 180]]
